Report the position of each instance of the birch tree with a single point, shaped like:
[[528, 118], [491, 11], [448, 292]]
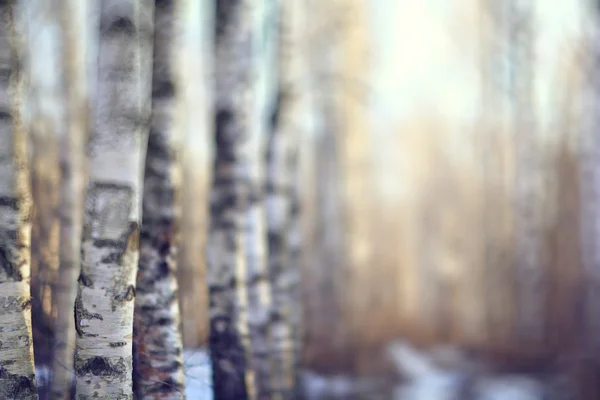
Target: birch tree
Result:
[[238, 285], [44, 111], [157, 339], [17, 374], [528, 262], [110, 239], [73, 165], [282, 157]]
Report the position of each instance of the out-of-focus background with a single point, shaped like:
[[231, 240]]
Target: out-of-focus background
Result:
[[448, 181]]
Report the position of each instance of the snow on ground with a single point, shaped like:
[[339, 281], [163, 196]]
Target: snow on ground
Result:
[[423, 378], [196, 366]]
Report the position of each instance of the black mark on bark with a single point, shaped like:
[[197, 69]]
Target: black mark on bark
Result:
[[101, 366], [16, 386]]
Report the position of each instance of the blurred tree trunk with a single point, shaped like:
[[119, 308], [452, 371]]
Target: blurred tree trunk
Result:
[[73, 166], [17, 374], [281, 202], [110, 240], [46, 130], [321, 201], [238, 283], [195, 119], [530, 276], [354, 144], [158, 352]]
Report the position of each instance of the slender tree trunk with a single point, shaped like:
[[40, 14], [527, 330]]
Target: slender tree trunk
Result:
[[530, 277], [282, 163], [17, 374], [157, 339], [110, 240], [45, 127], [238, 283], [195, 116], [73, 166]]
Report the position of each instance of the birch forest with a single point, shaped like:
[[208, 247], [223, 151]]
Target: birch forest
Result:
[[299, 199]]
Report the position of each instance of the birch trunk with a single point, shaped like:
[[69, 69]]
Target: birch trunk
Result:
[[282, 156], [157, 339], [110, 240], [17, 374], [74, 172], [238, 285], [530, 277], [195, 114], [45, 109]]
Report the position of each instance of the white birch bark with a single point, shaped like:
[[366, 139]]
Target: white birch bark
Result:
[[17, 374], [238, 283], [158, 363], [74, 174], [110, 240]]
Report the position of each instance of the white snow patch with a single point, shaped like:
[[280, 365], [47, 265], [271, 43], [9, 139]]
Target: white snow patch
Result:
[[198, 375]]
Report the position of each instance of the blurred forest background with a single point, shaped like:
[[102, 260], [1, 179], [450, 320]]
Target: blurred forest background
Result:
[[447, 180]]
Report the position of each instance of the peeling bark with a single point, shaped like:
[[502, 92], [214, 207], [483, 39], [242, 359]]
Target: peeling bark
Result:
[[281, 204], [236, 265], [110, 239], [74, 171], [158, 363], [17, 374]]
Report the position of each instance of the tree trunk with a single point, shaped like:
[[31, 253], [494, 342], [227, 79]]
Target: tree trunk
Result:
[[282, 163], [45, 126], [74, 171], [195, 114], [17, 374], [110, 239], [157, 339], [530, 276], [238, 284]]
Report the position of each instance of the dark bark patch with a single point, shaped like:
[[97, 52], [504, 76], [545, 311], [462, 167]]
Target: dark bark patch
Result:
[[122, 25], [117, 344], [163, 89], [101, 366], [11, 270], [9, 201], [225, 13], [165, 321], [5, 115], [85, 280], [129, 295], [80, 313], [163, 270], [111, 258], [156, 145], [228, 360], [163, 4], [171, 368], [17, 386], [26, 305]]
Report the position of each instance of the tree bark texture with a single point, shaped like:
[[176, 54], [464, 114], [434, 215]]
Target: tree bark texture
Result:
[[110, 240], [238, 284], [73, 166], [158, 362], [17, 374], [282, 163]]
